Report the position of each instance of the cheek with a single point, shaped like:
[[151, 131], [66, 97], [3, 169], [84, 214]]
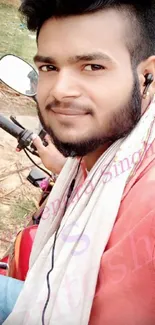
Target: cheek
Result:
[[109, 98], [111, 93]]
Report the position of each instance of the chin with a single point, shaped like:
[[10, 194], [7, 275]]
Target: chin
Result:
[[70, 138]]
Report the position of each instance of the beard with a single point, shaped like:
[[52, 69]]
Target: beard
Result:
[[120, 125]]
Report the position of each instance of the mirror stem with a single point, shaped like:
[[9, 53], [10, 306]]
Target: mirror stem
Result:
[[34, 98]]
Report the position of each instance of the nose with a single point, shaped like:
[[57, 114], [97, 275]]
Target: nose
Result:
[[65, 86]]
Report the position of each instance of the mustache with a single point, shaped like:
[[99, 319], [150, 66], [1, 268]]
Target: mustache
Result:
[[68, 105]]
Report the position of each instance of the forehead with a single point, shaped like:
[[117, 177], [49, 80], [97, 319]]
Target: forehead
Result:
[[103, 30]]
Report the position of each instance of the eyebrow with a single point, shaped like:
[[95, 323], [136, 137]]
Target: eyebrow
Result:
[[75, 59]]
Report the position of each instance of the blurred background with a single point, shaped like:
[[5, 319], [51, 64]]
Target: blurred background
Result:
[[17, 196]]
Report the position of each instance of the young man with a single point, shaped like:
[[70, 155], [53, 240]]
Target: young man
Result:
[[93, 256]]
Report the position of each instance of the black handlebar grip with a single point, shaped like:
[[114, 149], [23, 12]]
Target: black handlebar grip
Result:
[[10, 127]]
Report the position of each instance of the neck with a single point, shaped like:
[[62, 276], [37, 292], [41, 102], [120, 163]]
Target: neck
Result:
[[92, 157]]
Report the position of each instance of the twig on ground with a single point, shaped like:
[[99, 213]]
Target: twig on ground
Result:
[[6, 241], [5, 195], [3, 179], [20, 175], [19, 170], [22, 207], [35, 202]]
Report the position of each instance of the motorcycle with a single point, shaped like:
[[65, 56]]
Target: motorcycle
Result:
[[21, 77]]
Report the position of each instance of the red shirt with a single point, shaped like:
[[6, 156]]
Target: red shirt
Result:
[[125, 292]]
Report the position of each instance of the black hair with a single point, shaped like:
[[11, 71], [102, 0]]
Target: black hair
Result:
[[141, 19]]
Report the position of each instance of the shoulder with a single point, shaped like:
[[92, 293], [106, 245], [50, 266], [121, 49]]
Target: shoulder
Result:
[[137, 208], [145, 174]]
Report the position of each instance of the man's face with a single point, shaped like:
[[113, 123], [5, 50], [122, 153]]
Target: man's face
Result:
[[87, 94]]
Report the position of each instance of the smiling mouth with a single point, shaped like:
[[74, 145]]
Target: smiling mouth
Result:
[[68, 112]]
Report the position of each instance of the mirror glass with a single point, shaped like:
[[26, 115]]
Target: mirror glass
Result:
[[18, 75]]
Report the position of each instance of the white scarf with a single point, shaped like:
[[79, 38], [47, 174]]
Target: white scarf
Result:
[[83, 235]]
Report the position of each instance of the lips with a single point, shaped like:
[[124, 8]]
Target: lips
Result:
[[69, 112]]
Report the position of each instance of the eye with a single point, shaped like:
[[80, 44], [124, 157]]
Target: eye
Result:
[[93, 67], [46, 68]]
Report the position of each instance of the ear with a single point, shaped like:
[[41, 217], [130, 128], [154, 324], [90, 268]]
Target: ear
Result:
[[145, 67]]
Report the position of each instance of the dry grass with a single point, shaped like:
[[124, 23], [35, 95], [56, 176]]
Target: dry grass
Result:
[[11, 101], [15, 3], [18, 198], [14, 36]]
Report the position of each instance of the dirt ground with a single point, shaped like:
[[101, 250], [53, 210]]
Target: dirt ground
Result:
[[17, 196]]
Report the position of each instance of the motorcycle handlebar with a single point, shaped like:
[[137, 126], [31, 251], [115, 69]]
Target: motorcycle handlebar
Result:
[[10, 127]]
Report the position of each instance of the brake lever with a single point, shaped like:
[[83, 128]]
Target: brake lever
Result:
[[13, 119], [24, 140]]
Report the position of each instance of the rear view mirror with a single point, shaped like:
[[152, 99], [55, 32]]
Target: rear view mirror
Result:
[[18, 75]]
